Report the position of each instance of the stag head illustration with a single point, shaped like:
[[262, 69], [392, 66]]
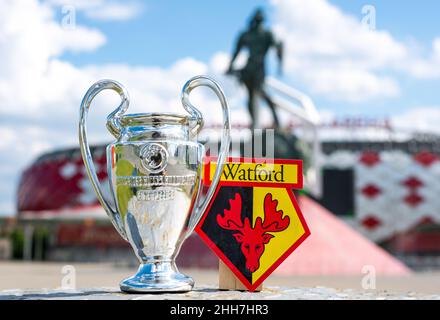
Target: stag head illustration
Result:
[[253, 238]]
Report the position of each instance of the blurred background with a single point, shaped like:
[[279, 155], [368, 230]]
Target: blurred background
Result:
[[359, 90]]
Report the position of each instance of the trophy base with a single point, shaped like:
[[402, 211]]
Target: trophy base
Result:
[[157, 277]]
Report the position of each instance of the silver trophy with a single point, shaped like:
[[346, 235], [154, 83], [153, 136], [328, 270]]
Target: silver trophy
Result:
[[155, 171]]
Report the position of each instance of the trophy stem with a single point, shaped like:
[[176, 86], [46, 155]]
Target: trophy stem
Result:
[[157, 277]]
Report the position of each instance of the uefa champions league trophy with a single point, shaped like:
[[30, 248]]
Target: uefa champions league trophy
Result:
[[155, 172]]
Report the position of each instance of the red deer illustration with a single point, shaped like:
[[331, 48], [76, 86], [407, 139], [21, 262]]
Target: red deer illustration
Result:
[[253, 239]]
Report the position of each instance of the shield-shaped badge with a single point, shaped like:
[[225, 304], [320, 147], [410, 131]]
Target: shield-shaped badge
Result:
[[253, 222]]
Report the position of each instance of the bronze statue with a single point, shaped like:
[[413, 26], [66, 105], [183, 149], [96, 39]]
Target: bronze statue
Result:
[[258, 41]]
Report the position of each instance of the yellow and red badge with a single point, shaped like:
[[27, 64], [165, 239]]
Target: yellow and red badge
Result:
[[253, 222]]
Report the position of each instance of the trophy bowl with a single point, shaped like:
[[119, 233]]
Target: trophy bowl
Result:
[[155, 172]]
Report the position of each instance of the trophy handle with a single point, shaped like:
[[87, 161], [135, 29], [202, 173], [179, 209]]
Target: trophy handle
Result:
[[114, 127], [197, 118]]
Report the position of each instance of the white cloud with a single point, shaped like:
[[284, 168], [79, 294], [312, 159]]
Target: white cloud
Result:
[[18, 145], [78, 4], [428, 68], [421, 119], [40, 94], [115, 11], [335, 54], [350, 84], [30, 39], [104, 10]]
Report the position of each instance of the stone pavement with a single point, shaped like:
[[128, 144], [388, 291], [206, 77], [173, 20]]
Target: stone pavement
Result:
[[211, 293], [24, 280]]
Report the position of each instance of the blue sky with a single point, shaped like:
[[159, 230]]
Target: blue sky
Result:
[[153, 47], [166, 31]]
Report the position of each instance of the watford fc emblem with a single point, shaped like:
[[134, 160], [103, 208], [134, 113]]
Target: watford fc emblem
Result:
[[253, 222]]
